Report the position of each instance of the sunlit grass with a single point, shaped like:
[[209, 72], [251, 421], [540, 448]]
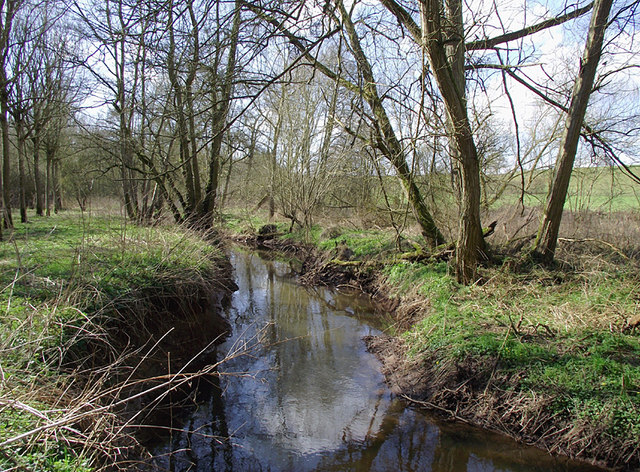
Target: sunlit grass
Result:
[[559, 335], [591, 188], [55, 274]]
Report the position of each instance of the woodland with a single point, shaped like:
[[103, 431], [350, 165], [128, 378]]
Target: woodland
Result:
[[495, 142], [179, 109]]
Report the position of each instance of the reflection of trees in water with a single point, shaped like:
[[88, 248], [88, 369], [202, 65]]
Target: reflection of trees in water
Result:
[[306, 400], [309, 399], [399, 443], [450, 455], [201, 443]]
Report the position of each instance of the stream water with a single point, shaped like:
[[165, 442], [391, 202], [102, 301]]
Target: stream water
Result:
[[300, 392]]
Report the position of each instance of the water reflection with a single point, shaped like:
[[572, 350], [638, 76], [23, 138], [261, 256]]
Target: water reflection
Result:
[[299, 392]]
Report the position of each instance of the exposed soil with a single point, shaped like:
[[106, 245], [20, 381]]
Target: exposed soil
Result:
[[472, 393], [144, 342], [404, 377], [476, 391]]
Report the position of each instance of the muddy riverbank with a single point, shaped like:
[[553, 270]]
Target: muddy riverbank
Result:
[[298, 390]]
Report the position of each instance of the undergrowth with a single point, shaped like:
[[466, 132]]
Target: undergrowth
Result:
[[64, 281]]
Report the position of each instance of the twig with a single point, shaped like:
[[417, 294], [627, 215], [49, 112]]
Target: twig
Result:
[[436, 407]]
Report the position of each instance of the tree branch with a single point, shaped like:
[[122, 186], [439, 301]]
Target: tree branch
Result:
[[589, 134], [490, 43], [404, 18]]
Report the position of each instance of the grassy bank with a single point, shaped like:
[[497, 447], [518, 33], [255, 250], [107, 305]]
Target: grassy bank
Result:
[[548, 356], [85, 301]]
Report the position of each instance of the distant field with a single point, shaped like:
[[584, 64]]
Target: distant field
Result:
[[591, 188], [602, 189]]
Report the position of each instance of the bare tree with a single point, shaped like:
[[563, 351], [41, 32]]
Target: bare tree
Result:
[[221, 88], [8, 12], [442, 36], [183, 96], [304, 170], [547, 238], [384, 135]]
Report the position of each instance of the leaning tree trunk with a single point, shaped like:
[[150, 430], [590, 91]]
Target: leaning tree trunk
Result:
[[454, 49], [387, 141], [547, 239]]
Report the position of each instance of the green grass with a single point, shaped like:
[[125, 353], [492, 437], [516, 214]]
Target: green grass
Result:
[[363, 243], [553, 336], [243, 222], [55, 273], [591, 188]]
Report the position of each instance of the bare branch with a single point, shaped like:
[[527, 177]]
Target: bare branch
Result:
[[491, 43]]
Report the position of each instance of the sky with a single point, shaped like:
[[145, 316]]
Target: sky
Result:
[[557, 52]]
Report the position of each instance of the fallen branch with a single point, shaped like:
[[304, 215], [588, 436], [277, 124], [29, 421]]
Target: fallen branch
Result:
[[437, 407]]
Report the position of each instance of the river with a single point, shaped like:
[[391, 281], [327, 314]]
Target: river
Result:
[[300, 392]]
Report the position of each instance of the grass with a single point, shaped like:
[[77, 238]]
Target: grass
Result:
[[590, 188], [64, 281], [542, 334], [363, 243]]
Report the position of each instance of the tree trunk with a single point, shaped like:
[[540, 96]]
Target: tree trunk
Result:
[[547, 238], [193, 150], [9, 10], [211, 191], [36, 173], [471, 245], [273, 155], [47, 184], [225, 191], [129, 187], [57, 189], [6, 156], [219, 122], [454, 49], [184, 114], [21, 174]]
